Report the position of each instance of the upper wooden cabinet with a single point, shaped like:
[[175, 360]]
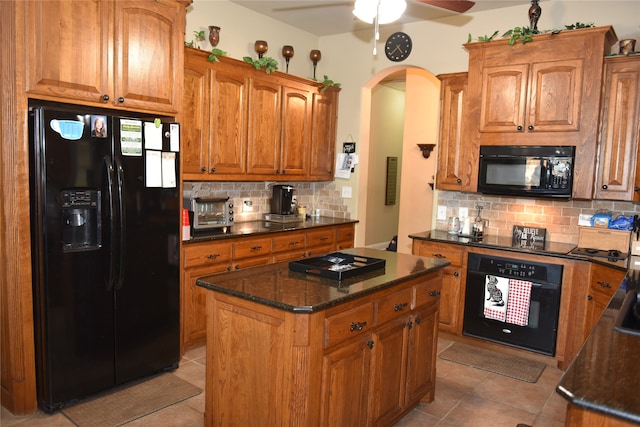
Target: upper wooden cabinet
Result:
[[545, 92], [452, 161], [242, 124], [114, 54], [618, 175]]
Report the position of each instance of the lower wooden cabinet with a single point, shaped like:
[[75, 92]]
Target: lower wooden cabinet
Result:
[[207, 258], [603, 283], [365, 362], [453, 283]]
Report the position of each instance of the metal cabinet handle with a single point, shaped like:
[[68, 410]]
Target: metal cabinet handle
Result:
[[357, 326], [105, 97], [121, 100], [203, 169], [399, 307], [370, 344], [459, 181], [456, 274], [323, 238], [256, 248], [418, 320], [604, 284], [212, 170], [589, 297], [213, 256], [520, 127], [237, 267], [434, 293], [605, 186], [410, 324], [530, 127], [439, 256]]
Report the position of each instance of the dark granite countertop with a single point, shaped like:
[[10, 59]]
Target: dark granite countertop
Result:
[[252, 228], [555, 249], [605, 375], [275, 285]]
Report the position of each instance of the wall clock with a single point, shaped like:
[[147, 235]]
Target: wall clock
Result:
[[398, 46]]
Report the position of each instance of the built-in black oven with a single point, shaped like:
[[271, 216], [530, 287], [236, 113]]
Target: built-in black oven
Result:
[[513, 302], [537, 171]]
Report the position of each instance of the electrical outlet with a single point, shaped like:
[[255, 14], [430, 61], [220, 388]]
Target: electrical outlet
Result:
[[346, 192], [442, 212], [247, 206], [463, 212]]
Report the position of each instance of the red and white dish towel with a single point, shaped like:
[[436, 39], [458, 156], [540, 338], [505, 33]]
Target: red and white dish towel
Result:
[[519, 301]]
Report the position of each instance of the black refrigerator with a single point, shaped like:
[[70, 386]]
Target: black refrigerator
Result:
[[105, 223]]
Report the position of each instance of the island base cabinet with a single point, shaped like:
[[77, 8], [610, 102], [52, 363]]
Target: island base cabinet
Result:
[[357, 363]]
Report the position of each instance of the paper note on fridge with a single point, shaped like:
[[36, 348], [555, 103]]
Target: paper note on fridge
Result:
[[152, 136], [153, 168], [168, 170], [131, 137], [174, 137]]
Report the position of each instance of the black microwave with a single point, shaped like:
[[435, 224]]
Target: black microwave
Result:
[[534, 171]]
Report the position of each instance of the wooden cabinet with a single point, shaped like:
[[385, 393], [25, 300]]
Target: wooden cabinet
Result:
[[618, 176], [207, 258], [603, 283], [323, 134], [452, 161], [243, 124], [129, 57], [199, 260], [365, 362], [214, 103], [453, 282], [545, 92]]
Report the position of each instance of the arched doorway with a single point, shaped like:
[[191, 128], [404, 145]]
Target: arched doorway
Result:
[[414, 202]]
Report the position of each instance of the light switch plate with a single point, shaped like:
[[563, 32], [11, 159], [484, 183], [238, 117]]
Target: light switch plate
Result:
[[346, 192], [463, 213], [442, 212]]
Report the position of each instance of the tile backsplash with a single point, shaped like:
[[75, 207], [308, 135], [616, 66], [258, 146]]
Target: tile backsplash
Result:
[[314, 195], [559, 217]]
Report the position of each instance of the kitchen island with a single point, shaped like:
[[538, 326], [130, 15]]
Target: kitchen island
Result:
[[289, 348]]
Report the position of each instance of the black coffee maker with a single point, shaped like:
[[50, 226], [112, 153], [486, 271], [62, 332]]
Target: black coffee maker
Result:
[[282, 200]]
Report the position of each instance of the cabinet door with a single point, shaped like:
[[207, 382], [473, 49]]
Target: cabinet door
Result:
[[450, 149], [228, 127], [148, 57], [421, 361], [345, 384], [323, 134], [618, 139], [196, 101], [263, 126], [603, 284], [67, 49], [296, 131], [449, 304], [388, 380], [504, 95]]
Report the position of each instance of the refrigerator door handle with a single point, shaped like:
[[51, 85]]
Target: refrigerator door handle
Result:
[[122, 227], [112, 223]]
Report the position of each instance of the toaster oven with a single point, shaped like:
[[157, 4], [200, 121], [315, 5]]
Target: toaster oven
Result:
[[211, 213]]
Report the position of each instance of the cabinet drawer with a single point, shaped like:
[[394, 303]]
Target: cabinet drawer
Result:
[[605, 281], [289, 242], [320, 250], [442, 251], [348, 324], [345, 233], [396, 304], [249, 248], [251, 262], [322, 237], [206, 253], [428, 291]]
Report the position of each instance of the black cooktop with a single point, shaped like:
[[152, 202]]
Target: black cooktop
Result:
[[610, 254]]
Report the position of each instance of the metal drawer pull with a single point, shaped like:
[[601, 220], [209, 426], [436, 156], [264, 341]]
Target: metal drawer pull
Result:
[[434, 293], [418, 320], [256, 248], [293, 243], [357, 326], [370, 344], [604, 284], [398, 307], [213, 256], [439, 256], [323, 238]]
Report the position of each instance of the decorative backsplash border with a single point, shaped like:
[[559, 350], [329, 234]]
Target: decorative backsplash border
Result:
[[559, 217], [314, 195]]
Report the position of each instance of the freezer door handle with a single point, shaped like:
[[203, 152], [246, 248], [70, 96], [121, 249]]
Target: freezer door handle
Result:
[[112, 222], [122, 227]]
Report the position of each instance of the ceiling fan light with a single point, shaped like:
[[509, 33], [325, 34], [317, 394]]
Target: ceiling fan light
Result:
[[365, 10], [391, 10]]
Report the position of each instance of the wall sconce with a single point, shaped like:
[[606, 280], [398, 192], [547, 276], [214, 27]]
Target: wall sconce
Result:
[[426, 149], [287, 52], [261, 47], [315, 56]]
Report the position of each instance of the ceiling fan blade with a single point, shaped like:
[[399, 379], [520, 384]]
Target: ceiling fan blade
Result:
[[459, 6]]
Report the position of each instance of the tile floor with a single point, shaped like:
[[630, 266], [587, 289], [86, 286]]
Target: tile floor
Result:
[[465, 397]]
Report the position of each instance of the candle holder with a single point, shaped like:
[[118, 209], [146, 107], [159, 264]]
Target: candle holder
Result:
[[261, 47], [315, 56], [214, 35], [287, 52]]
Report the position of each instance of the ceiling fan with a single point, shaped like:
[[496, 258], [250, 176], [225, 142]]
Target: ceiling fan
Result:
[[378, 12]]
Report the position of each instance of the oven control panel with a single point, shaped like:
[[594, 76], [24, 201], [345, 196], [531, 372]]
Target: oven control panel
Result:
[[517, 269]]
